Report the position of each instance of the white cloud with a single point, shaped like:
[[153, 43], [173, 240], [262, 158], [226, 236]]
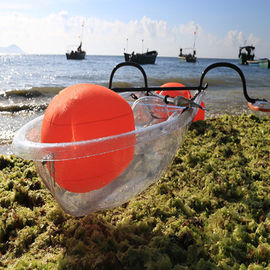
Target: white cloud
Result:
[[236, 38], [53, 34]]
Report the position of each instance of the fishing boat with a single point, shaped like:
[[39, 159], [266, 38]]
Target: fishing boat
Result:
[[246, 53], [116, 167], [148, 57], [247, 57], [188, 57], [78, 53]]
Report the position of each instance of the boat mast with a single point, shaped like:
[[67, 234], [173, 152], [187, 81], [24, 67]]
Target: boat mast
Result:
[[81, 36], [195, 33], [126, 46]]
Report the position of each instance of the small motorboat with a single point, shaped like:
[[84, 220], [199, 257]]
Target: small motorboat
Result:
[[247, 57], [106, 171]]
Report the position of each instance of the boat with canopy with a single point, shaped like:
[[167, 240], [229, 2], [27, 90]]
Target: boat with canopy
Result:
[[246, 53], [94, 173]]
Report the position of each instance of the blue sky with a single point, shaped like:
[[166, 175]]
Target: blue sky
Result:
[[40, 26]]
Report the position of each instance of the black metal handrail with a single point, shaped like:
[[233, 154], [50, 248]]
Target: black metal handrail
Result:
[[127, 64], [199, 88]]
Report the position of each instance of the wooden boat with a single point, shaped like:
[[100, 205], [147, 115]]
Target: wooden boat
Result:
[[191, 56], [247, 57], [246, 53], [148, 57], [187, 57], [78, 54]]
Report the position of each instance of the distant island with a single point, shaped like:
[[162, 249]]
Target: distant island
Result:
[[11, 49]]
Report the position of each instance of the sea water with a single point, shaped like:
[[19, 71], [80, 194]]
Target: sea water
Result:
[[29, 82]]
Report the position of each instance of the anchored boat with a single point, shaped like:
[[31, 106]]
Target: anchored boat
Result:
[[246, 53], [190, 53], [148, 57], [188, 57], [77, 54], [247, 57]]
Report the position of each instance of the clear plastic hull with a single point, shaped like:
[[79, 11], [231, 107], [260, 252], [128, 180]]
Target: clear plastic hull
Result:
[[160, 130]]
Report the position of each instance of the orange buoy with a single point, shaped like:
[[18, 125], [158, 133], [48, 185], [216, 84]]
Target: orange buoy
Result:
[[200, 114], [84, 112], [259, 105], [185, 93]]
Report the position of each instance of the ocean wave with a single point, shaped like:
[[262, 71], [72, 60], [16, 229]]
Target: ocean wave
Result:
[[121, 84], [154, 81], [23, 107], [32, 92], [217, 83]]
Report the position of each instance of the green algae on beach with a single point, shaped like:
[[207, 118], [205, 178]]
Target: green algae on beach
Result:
[[210, 210]]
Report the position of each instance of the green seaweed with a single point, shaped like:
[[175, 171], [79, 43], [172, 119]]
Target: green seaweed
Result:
[[210, 210]]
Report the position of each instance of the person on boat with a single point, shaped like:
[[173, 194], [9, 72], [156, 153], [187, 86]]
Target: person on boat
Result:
[[181, 52], [248, 50], [131, 57]]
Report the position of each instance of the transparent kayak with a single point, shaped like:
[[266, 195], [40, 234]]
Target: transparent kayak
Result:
[[159, 131], [160, 127]]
